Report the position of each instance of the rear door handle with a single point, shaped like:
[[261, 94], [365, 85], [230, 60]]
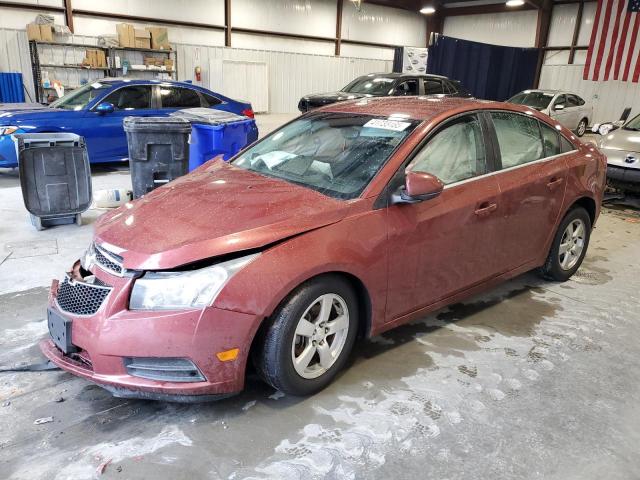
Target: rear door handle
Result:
[[486, 208], [554, 182]]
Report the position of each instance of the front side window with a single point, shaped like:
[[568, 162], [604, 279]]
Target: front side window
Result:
[[410, 87], [455, 153], [134, 97], [572, 101], [80, 97], [432, 87], [336, 154], [561, 100], [376, 86], [633, 124], [518, 138], [178, 97]]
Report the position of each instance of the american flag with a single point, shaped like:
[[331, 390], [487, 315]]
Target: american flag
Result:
[[614, 48]]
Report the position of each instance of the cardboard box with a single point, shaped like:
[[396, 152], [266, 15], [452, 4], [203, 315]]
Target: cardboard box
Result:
[[101, 59], [126, 35], [159, 38], [168, 63], [46, 33], [143, 38], [33, 31]]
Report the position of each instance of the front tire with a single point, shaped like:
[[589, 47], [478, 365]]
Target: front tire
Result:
[[569, 246], [582, 127], [308, 339]]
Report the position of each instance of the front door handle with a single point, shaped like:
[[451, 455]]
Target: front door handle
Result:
[[485, 209], [554, 182]]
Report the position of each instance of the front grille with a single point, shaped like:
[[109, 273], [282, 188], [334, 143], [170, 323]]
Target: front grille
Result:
[[81, 298], [107, 260]]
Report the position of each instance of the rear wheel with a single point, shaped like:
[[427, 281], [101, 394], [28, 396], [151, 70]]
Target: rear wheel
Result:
[[309, 337], [582, 127], [569, 246]]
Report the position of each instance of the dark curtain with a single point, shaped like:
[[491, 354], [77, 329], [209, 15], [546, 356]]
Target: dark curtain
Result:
[[397, 59], [490, 72]]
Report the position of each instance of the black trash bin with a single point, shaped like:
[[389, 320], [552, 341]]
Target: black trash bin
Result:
[[55, 177], [158, 151]]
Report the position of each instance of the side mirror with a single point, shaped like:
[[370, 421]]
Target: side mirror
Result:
[[105, 107], [419, 186], [558, 107]]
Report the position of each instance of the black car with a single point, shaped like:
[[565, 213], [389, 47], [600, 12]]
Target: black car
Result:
[[387, 84]]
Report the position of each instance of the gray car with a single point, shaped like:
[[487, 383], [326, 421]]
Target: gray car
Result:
[[567, 108], [622, 148]]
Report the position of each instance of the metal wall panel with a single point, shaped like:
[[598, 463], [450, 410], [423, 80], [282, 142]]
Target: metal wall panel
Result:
[[512, 29], [291, 75], [563, 22], [14, 57], [304, 17], [609, 99], [378, 24]]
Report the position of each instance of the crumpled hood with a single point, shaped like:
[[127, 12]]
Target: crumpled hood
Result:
[[621, 139], [215, 210]]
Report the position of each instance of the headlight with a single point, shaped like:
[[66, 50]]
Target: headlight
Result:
[[190, 289], [7, 130]]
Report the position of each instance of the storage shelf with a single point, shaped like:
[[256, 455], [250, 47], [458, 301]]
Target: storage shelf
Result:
[[79, 67], [132, 49], [76, 45]]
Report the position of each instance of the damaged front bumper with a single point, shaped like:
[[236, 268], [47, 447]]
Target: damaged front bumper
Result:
[[162, 355]]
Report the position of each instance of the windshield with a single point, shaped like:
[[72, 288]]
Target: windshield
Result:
[[370, 85], [80, 97], [537, 100], [633, 124], [336, 154]]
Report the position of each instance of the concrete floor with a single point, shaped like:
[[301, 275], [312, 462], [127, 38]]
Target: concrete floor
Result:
[[530, 380]]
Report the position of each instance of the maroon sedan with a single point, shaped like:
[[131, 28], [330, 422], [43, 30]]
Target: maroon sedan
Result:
[[344, 223]]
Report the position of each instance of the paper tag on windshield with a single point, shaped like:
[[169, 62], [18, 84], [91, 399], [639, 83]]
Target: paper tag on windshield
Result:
[[387, 124]]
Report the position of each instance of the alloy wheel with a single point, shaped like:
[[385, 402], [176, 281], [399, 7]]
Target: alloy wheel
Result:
[[320, 336], [582, 128], [572, 244]]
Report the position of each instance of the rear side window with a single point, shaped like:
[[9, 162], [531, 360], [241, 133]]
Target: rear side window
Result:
[[551, 141], [177, 97], [131, 98], [432, 87], [410, 87], [210, 100], [518, 138], [455, 153]]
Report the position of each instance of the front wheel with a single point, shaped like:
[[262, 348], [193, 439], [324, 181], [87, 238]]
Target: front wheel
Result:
[[308, 339], [582, 127], [569, 246]]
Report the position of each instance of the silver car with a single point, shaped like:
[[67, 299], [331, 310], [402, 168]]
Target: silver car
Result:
[[567, 108], [621, 145]]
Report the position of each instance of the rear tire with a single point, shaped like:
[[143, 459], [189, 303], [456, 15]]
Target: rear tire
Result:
[[582, 127], [308, 339], [569, 246]]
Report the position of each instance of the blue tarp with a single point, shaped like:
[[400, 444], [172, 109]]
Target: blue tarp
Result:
[[489, 71], [11, 90]]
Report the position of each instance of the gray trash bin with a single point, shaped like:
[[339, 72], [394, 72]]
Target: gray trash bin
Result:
[[158, 151], [55, 177]]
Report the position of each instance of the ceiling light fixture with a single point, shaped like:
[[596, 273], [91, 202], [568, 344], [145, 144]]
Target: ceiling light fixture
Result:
[[515, 3], [427, 10]]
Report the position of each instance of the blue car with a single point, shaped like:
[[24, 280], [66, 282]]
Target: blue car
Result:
[[95, 111]]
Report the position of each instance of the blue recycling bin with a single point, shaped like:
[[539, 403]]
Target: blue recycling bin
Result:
[[215, 132]]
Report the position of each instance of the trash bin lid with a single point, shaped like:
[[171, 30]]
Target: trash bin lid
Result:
[[156, 124], [208, 116]]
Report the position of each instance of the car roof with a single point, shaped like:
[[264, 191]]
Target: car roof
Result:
[[402, 75], [422, 108], [141, 81]]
